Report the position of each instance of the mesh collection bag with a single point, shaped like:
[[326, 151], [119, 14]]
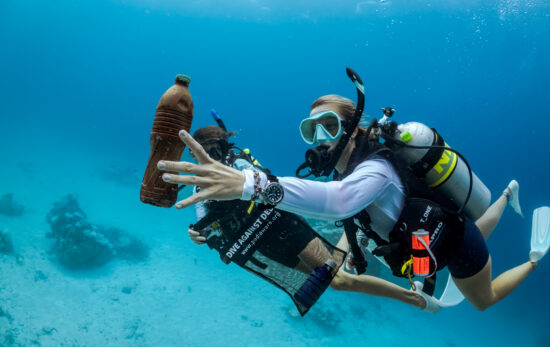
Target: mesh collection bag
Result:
[[278, 246]]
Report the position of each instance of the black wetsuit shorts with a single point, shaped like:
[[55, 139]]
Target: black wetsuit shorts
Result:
[[472, 256]]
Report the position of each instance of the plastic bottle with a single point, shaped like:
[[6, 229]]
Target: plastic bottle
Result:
[[174, 113], [316, 284]]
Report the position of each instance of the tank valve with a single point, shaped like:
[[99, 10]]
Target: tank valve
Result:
[[388, 111]]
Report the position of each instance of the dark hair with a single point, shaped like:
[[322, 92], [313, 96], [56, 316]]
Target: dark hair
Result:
[[214, 135], [210, 133]]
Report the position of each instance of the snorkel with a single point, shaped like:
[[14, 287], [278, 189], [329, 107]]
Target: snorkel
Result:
[[320, 161], [218, 119]]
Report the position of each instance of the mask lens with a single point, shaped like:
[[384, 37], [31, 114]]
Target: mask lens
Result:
[[213, 149], [331, 125], [326, 122], [307, 129]]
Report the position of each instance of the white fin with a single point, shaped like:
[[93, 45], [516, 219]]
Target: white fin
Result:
[[451, 295], [514, 200], [540, 233]]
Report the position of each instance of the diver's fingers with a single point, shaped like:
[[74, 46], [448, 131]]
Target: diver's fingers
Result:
[[195, 147], [181, 166], [188, 180], [193, 199], [196, 237], [217, 191], [193, 233]]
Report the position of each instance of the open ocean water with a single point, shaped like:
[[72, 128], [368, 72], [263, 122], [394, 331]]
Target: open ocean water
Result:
[[79, 83]]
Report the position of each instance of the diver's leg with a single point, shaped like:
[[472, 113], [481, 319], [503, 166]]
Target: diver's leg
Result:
[[343, 243], [360, 283], [489, 220], [303, 267], [375, 286], [314, 254], [344, 246], [483, 293]]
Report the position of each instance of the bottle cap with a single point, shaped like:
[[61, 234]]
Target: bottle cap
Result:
[[331, 263], [183, 79]]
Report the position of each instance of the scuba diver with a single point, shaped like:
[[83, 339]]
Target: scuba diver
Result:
[[297, 248], [407, 204], [290, 241]]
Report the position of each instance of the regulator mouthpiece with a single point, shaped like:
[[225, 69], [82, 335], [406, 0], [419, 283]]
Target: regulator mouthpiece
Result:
[[318, 161]]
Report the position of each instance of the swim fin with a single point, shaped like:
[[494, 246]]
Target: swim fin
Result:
[[540, 234], [451, 295], [513, 198]]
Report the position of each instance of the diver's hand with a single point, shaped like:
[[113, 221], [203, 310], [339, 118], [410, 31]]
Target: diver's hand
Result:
[[217, 181], [432, 304], [196, 237]]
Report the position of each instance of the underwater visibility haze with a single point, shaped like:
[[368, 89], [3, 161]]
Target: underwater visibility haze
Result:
[[83, 262]]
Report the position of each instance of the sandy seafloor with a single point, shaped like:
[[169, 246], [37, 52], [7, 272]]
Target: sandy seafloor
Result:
[[79, 83], [183, 295]]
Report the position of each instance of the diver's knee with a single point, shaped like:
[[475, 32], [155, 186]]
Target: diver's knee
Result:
[[340, 281], [481, 304], [337, 283]]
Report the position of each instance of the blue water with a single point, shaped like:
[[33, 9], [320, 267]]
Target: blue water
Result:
[[79, 82]]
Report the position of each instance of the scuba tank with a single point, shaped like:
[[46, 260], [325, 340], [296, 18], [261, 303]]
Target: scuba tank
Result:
[[442, 168]]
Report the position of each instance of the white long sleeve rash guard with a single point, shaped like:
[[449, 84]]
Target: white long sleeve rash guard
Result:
[[373, 185]]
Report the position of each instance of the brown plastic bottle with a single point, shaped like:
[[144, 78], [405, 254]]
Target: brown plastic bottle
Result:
[[174, 112]]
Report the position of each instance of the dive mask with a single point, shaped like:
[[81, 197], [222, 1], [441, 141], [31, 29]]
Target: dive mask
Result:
[[214, 148], [321, 127]]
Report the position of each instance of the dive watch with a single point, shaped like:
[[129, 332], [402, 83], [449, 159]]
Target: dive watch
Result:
[[273, 192]]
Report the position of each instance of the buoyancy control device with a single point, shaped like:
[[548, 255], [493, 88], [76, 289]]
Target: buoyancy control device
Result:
[[449, 181]]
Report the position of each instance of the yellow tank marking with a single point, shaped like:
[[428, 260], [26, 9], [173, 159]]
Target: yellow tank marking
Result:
[[443, 169], [444, 160]]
